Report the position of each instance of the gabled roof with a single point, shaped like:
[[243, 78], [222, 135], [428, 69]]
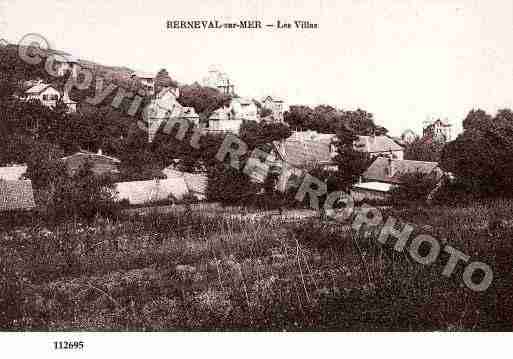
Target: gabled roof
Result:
[[12, 173], [380, 169], [16, 195], [91, 155], [375, 144], [302, 153], [272, 98], [37, 89]]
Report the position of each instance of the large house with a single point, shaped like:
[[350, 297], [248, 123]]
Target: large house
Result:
[[65, 63], [244, 108], [223, 120], [49, 96], [231, 117], [438, 129], [275, 105], [380, 146], [219, 80], [385, 173], [295, 155], [165, 106], [146, 82]]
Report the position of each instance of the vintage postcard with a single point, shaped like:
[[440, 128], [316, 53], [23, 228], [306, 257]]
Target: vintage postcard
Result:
[[181, 168]]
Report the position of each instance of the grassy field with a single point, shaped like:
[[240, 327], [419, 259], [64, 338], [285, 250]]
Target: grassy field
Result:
[[194, 272]]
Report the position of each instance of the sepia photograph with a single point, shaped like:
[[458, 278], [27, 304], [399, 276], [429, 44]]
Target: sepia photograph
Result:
[[328, 168]]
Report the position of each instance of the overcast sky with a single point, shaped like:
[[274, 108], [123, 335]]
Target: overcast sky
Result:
[[402, 60]]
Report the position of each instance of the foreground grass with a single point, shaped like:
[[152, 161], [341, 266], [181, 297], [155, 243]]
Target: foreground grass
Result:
[[191, 272]]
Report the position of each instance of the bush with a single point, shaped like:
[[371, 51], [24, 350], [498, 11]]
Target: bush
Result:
[[415, 187], [83, 195]]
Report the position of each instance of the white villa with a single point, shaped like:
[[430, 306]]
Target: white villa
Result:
[[165, 106], [49, 96], [218, 80], [276, 105], [146, 80]]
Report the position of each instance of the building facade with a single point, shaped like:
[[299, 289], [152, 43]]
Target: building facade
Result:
[[438, 129], [275, 105], [219, 80]]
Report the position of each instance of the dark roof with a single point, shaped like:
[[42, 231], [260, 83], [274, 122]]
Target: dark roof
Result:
[[300, 153], [16, 195], [379, 170], [374, 144]]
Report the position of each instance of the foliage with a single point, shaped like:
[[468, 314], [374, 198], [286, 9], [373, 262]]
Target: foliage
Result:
[[327, 119], [204, 100], [422, 149], [84, 195], [482, 156], [414, 188]]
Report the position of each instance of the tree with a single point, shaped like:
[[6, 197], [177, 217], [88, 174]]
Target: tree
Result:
[[204, 100], [163, 80], [256, 134], [423, 150], [351, 163], [482, 156], [414, 187]]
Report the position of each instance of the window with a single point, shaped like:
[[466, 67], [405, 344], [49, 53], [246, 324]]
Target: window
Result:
[[45, 97]]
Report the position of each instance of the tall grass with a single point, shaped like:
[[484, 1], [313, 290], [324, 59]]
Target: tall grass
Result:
[[197, 272]]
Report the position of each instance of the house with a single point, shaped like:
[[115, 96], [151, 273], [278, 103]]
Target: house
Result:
[[275, 105], [165, 106], [438, 129], [49, 96], [65, 63], [408, 136], [292, 156], [146, 81], [223, 120], [379, 146], [13, 173], [196, 182], [145, 192], [100, 164], [16, 195], [219, 80], [244, 108], [385, 173]]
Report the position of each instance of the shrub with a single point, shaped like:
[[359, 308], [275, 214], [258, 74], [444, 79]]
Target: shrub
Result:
[[415, 187], [84, 195]]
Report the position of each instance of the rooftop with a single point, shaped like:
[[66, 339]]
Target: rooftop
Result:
[[374, 144], [380, 171]]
